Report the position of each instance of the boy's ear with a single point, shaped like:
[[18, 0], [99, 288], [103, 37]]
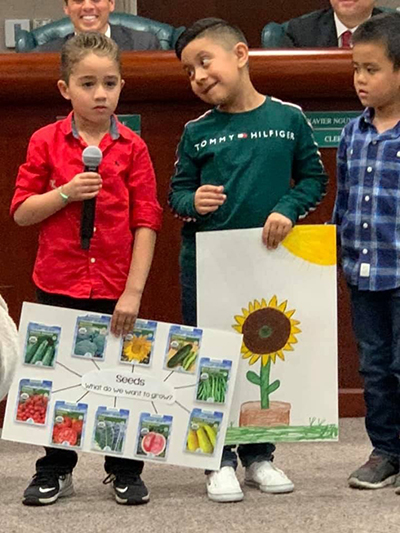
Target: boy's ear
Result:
[[242, 53], [122, 83], [63, 88]]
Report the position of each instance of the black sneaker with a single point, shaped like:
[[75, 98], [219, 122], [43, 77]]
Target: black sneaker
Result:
[[376, 473], [47, 487], [128, 488]]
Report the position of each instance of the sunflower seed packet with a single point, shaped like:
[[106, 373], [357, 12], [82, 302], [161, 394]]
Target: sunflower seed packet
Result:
[[138, 345]]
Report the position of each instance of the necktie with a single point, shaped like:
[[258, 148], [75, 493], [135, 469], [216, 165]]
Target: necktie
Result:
[[346, 39]]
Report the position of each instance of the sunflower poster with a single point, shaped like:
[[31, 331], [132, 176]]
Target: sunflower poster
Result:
[[284, 304]]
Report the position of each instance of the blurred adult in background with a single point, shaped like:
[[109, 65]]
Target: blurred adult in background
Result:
[[93, 15], [331, 27]]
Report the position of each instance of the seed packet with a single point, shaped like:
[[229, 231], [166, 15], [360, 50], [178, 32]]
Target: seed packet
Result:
[[153, 436], [137, 347], [33, 401], [110, 430], [202, 434], [69, 424], [183, 348], [212, 385], [41, 345], [91, 336]]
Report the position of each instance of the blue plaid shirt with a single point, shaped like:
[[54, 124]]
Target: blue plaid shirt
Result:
[[367, 207]]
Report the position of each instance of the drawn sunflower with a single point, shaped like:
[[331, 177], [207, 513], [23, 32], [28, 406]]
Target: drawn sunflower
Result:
[[268, 330]]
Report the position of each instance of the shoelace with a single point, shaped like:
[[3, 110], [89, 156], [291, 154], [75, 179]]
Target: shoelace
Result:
[[45, 478], [125, 478]]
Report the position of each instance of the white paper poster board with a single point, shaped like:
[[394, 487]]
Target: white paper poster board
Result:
[[163, 395], [284, 302]]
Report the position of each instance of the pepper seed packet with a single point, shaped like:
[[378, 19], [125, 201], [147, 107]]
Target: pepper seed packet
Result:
[[110, 430], [183, 348], [91, 334], [212, 384], [69, 424], [137, 346], [33, 401], [41, 344], [202, 434], [153, 435]]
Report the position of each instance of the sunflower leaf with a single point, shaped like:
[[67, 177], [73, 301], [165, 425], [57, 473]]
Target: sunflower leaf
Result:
[[272, 388], [253, 378]]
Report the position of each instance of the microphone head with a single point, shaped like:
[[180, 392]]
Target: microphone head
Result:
[[92, 156]]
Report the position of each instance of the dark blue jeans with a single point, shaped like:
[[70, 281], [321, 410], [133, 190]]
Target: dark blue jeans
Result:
[[376, 323], [248, 453]]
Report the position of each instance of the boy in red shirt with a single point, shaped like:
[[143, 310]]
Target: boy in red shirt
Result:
[[110, 276]]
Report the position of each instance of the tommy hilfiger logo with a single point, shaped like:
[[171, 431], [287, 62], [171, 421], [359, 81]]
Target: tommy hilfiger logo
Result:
[[263, 134]]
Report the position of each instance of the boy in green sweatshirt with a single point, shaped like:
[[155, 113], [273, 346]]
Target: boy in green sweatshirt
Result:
[[234, 170]]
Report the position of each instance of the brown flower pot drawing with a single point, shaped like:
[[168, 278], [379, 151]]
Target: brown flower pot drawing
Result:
[[252, 414]]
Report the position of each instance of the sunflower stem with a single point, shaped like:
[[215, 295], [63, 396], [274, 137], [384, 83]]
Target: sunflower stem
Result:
[[264, 384]]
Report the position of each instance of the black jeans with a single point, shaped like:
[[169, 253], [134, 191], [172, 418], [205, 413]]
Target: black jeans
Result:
[[248, 453], [64, 461], [376, 323]]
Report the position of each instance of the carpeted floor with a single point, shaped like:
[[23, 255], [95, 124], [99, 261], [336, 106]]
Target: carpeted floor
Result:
[[321, 503]]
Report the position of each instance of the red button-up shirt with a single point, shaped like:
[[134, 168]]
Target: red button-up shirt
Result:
[[127, 200]]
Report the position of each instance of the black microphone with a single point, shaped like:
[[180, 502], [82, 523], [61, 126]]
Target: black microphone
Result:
[[91, 157]]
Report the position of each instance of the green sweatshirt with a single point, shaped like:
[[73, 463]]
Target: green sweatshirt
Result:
[[254, 155]]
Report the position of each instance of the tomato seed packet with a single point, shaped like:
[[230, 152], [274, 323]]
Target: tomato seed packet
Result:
[[41, 345], [153, 436], [91, 334], [68, 424], [33, 401], [183, 348], [137, 346], [110, 430], [212, 383], [203, 429]]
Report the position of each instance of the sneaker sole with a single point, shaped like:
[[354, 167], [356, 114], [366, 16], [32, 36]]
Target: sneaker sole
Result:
[[278, 489], [358, 484], [123, 501], [36, 502], [225, 498]]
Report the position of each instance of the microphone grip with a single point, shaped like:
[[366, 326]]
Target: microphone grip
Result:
[[87, 218]]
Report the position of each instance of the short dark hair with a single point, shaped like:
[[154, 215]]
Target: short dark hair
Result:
[[383, 28], [82, 44], [210, 27]]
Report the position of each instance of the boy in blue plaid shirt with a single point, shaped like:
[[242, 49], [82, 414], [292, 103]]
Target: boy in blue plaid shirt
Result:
[[367, 213]]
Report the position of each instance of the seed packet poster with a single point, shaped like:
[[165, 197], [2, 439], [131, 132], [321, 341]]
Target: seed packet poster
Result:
[[161, 394]]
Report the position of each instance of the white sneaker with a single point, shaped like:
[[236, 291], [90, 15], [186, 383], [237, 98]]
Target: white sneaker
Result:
[[268, 478], [223, 486]]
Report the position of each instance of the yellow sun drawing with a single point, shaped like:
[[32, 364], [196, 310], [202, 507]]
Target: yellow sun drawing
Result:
[[268, 330]]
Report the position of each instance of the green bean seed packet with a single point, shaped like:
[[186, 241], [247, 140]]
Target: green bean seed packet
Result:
[[213, 380]]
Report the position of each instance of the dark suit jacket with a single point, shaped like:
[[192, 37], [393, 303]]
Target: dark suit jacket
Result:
[[125, 38], [315, 30]]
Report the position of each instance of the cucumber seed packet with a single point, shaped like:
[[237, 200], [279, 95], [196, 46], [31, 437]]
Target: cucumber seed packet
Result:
[[183, 348], [41, 345]]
